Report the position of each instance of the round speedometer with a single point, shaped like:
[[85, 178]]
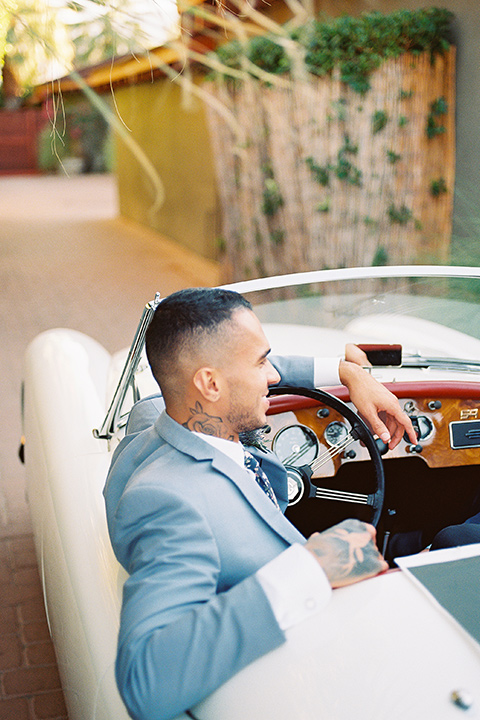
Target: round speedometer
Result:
[[295, 445]]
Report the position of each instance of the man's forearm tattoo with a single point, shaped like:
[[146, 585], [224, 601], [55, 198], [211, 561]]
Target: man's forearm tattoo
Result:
[[200, 421], [349, 551]]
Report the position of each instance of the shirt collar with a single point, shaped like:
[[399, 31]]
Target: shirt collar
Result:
[[234, 450]]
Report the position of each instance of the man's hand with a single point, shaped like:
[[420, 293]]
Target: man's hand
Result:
[[377, 405], [347, 552], [355, 355]]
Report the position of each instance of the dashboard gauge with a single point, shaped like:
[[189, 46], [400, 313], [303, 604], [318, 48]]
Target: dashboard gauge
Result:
[[295, 445], [335, 432], [423, 426]]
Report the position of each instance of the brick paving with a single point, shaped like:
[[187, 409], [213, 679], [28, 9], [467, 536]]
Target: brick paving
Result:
[[66, 259], [29, 683]]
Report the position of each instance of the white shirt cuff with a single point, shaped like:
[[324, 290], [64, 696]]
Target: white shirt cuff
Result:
[[326, 371], [295, 586]]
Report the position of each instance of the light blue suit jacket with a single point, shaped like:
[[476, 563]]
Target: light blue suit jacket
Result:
[[191, 528]]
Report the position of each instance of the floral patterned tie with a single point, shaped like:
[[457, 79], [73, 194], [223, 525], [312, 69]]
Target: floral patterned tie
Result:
[[252, 464]]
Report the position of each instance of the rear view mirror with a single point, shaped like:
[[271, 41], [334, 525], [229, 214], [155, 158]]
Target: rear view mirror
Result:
[[381, 354]]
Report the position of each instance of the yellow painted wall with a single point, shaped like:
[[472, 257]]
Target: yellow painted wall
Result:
[[172, 131]]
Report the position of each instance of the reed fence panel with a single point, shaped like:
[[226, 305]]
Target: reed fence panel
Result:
[[324, 177]]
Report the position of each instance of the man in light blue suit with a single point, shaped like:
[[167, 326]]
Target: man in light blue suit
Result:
[[217, 574]]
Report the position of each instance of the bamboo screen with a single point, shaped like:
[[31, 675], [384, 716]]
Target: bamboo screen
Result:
[[322, 177]]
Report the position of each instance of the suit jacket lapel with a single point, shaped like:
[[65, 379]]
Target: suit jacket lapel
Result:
[[256, 497], [188, 443]]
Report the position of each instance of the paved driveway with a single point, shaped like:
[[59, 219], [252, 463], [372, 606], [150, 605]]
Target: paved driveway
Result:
[[66, 260]]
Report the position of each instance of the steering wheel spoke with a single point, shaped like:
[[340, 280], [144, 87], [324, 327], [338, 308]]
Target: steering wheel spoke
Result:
[[332, 452], [301, 488]]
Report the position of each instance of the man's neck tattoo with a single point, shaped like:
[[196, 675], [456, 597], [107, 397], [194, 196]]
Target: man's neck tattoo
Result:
[[201, 422]]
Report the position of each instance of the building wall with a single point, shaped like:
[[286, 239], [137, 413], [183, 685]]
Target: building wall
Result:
[[172, 131]]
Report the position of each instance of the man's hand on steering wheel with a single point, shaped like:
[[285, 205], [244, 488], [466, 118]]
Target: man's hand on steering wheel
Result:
[[377, 405]]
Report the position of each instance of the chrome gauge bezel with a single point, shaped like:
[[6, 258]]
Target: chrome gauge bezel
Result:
[[335, 433], [282, 436]]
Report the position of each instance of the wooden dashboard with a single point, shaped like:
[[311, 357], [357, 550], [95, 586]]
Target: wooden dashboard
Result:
[[446, 416]]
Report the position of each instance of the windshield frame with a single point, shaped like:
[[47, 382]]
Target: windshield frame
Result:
[[325, 276]]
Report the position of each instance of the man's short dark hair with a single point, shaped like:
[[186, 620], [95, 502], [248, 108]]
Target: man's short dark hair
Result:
[[182, 317]]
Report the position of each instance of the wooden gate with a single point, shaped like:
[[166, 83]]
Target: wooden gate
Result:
[[19, 130]]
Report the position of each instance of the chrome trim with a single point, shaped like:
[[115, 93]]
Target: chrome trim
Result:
[[342, 496], [112, 418]]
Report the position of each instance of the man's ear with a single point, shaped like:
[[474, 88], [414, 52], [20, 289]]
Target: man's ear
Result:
[[208, 383]]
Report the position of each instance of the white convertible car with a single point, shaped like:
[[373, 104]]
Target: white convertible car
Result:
[[382, 649]]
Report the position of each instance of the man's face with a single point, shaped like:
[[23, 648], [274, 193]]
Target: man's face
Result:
[[248, 373]]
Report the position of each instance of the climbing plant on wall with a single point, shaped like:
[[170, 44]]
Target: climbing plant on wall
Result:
[[342, 150]]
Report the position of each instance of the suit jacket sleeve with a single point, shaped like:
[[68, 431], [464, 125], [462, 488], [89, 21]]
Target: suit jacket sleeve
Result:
[[295, 370], [180, 637]]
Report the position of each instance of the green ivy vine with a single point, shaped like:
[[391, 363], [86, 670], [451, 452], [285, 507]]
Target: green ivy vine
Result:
[[379, 120], [344, 169], [438, 108], [355, 45], [400, 215], [438, 187]]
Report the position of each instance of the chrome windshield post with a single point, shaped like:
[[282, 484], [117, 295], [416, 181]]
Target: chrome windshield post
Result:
[[110, 424]]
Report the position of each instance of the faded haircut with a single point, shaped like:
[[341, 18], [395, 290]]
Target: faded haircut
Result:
[[183, 320]]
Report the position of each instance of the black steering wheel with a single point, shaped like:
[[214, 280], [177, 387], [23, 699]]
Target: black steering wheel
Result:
[[300, 487]]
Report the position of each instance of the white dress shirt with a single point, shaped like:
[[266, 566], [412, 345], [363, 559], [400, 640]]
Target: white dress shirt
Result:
[[326, 371]]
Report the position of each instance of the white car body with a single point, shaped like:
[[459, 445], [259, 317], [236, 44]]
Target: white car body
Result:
[[381, 649]]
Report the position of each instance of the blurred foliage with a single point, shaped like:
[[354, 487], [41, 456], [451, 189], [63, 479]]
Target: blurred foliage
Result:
[[32, 39], [100, 29], [381, 257], [268, 55], [357, 46], [321, 173], [44, 39], [80, 132], [379, 120], [6, 8], [393, 157], [438, 187], [400, 215], [438, 108], [344, 169], [272, 199]]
